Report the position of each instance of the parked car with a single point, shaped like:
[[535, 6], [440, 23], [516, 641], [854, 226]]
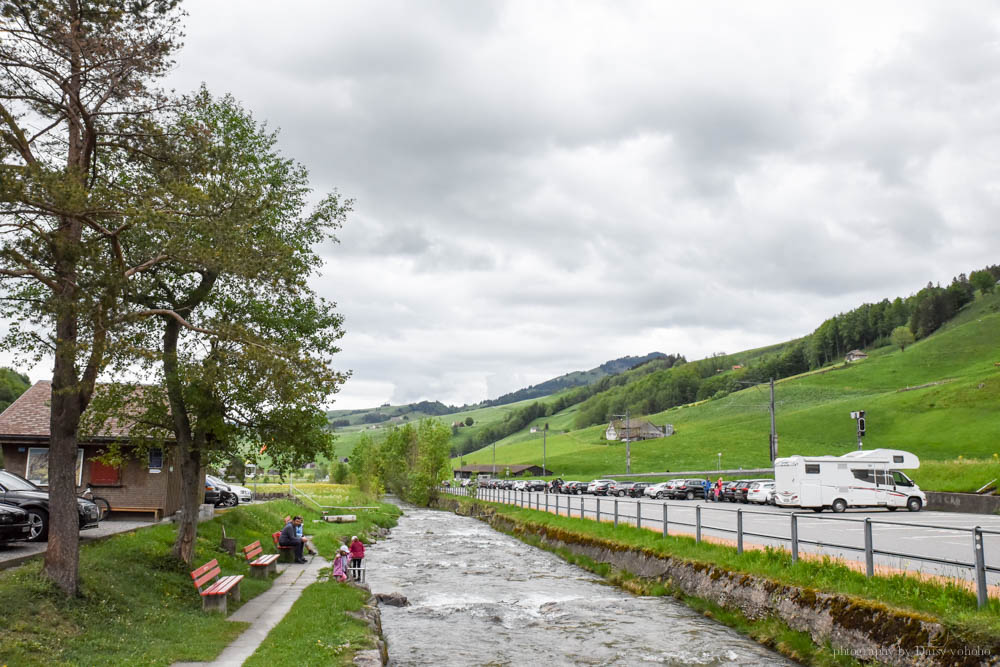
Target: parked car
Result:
[[227, 497], [688, 489], [657, 490], [213, 494], [569, 487], [603, 483], [16, 490], [741, 490], [243, 493], [14, 524], [600, 487], [729, 489], [761, 493], [638, 489], [622, 489]]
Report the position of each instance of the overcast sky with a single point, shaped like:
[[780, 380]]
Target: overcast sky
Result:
[[543, 186]]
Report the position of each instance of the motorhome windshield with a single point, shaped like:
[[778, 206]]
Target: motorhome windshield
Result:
[[900, 479]]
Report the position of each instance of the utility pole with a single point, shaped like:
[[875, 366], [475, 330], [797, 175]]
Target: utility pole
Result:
[[626, 429], [545, 432], [494, 459], [774, 430]]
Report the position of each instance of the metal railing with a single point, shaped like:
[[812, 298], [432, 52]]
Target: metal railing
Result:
[[533, 500]]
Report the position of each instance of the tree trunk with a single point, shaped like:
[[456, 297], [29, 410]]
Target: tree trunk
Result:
[[188, 454], [62, 556], [189, 459]]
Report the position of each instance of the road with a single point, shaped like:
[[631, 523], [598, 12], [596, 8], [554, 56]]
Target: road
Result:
[[936, 543]]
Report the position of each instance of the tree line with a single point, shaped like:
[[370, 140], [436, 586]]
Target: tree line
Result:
[[868, 325], [410, 461], [161, 240]]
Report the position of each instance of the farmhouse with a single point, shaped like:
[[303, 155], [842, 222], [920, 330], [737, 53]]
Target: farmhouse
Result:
[[636, 429], [149, 484], [855, 355]]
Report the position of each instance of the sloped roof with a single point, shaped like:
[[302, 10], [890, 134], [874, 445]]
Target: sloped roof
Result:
[[29, 416]]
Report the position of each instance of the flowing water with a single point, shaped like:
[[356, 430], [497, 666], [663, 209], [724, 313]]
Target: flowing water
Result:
[[479, 597]]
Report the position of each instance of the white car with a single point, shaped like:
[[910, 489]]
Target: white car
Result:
[[657, 490], [243, 493], [761, 493]]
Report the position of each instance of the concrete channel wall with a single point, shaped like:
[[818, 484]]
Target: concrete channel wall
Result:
[[864, 629]]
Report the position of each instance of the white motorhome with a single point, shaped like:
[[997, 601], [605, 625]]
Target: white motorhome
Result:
[[867, 478]]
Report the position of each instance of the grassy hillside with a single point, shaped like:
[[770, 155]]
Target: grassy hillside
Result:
[[940, 398]]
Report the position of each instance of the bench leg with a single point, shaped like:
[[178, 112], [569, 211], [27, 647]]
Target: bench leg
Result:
[[259, 571], [272, 567], [286, 555], [214, 603], [234, 593]]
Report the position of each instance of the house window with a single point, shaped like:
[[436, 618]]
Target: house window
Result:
[[812, 468], [37, 468], [155, 458], [102, 474]]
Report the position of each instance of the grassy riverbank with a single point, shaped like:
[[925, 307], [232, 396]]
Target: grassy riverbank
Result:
[[951, 605], [137, 604]]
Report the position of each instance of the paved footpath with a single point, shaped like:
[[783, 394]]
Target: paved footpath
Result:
[[264, 612]]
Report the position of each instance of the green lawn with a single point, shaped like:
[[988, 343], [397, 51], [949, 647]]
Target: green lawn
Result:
[[137, 604]]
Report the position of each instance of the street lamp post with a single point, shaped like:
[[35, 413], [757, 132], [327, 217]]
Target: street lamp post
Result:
[[494, 460], [628, 450], [720, 461]]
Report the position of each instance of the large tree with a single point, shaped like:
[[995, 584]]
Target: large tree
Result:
[[240, 345], [70, 70]]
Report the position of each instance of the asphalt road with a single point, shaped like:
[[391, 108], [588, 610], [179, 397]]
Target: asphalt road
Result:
[[939, 543]]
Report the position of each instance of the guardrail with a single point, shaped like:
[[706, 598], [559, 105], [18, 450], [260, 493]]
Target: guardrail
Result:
[[524, 499]]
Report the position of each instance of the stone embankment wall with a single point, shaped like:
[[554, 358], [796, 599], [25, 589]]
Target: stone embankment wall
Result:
[[860, 628], [970, 503]]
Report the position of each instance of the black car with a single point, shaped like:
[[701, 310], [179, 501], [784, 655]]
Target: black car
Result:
[[213, 494], [14, 524], [689, 489], [16, 490], [729, 490], [638, 489], [575, 488], [227, 497]]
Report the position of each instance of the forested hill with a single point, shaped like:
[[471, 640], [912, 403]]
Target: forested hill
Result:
[[12, 385], [579, 378]]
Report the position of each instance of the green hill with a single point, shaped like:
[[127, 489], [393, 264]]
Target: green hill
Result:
[[940, 398]]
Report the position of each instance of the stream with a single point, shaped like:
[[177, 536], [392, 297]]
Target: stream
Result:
[[479, 597]]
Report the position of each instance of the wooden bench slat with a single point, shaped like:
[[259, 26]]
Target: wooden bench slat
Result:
[[223, 585], [264, 561]]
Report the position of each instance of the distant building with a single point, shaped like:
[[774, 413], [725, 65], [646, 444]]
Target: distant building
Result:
[[855, 355], [636, 429]]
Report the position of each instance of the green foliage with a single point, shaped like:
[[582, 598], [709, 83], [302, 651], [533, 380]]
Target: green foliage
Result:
[[983, 280], [902, 337], [12, 385], [411, 461]]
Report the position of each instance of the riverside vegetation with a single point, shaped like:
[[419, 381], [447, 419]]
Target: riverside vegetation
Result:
[[137, 605]]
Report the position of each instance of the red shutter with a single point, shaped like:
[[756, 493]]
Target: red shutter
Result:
[[101, 473]]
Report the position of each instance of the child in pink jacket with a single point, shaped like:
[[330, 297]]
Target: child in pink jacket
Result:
[[340, 564]]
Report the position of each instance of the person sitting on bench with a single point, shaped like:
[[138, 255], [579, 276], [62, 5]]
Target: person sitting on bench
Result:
[[288, 538]]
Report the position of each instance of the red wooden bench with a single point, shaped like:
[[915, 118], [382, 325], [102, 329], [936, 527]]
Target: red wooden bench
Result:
[[285, 554], [215, 590], [264, 564]]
